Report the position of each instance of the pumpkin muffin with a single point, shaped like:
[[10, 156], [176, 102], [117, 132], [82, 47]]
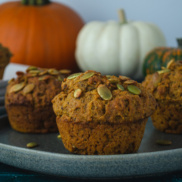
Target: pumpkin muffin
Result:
[[28, 100], [166, 86], [102, 114]]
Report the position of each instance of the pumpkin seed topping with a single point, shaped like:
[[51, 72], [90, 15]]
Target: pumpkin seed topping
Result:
[[170, 63], [43, 72], [65, 71], [163, 68], [72, 76], [17, 87], [34, 72], [164, 71], [133, 89], [59, 136], [28, 88], [104, 92], [60, 78], [163, 142], [44, 77], [77, 93], [31, 74], [87, 75], [32, 145], [123, 78], [113, 80], [31, 68], [130, 82], [120, 87], [53, 72], [108, 76]]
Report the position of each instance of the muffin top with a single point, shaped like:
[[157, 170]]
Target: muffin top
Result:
[[36, 87], [94, 98], [166, 84]]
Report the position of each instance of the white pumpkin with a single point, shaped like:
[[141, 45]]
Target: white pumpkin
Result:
[[117, 48]]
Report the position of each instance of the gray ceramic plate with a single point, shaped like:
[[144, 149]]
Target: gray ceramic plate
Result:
[[50, 157]]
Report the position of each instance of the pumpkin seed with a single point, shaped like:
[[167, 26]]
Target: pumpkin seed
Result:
[[43, 72], [104, 92], [111, 80], [134, 89], [53, 72], [65, 71], [31, 68], [163, 68], [31, 74], [72, 76], [59, 136], [164, 71], [108, 76], [120, 87], [28, 88], [44, 77], [34, 72], [17, 87], [170, 63], [60, 78], [32, 145], [164, 142], [123, 78], [87, 75], [77, 93], [25, 79], [129, 82]]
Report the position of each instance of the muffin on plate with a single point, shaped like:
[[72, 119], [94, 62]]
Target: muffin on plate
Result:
[[28, 100], [102, 114], [166, 86]]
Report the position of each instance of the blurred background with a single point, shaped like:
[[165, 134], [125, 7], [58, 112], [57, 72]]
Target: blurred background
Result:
[[167, 14]]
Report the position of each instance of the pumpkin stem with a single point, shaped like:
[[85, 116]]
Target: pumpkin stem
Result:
[[122, 16], [179, 40], [35, 2]]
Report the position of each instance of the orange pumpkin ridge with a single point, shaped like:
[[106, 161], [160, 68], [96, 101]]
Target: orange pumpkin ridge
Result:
[[42, 36]]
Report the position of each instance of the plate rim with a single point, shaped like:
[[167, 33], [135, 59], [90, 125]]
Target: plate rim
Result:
[[91, 156], [88, 166], [92, 162]]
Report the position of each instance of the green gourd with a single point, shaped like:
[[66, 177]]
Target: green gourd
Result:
[[160, 56]]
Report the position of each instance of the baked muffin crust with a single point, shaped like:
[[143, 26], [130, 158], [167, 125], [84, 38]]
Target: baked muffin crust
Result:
[[90, 107], [28, 100], [99, 114], [167, 83], [166, 86]]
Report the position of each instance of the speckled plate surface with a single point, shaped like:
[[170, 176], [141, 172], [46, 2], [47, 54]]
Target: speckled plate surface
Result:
[[50, 157]]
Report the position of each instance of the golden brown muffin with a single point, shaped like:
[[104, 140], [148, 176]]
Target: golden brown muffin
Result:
[[28, 100], [166, 86], [102, 114]]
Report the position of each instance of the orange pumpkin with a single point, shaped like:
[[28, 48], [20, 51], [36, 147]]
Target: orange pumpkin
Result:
[[42, 34]]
